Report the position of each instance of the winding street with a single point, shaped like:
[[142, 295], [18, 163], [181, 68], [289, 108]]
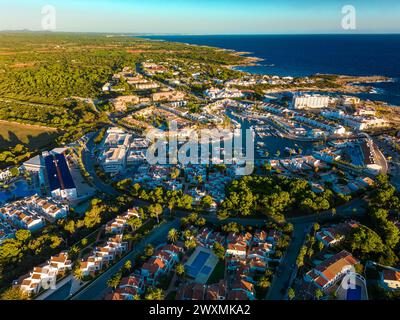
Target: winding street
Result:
[[97, 288]]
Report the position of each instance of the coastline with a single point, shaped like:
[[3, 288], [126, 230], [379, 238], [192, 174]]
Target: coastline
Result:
[[346, 84]]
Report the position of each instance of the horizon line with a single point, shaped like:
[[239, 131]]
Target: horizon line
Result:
[[196, 34]]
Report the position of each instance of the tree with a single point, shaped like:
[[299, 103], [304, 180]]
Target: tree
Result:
[[180, 269], [264, 283], [190, 244], [70, 227], [14, 171], [73, 252], [219, 250], [155, 211], [366, 241], [173, 235], [319, 294], [171, 205], [23, 235], [206, 202], [291, 294], [149, 250], [391, 234], [84, 241], [231, 227], [128, 265], [114, 281], [200, 222], [154, 294], [300, 258], [78, 273], [175, 173], [14, 293], [135, 189], [135, 223]]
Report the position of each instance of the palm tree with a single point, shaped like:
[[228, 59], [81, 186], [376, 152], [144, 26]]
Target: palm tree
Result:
[[128, 265], [155, 294], [264, 283], [291, 294], [173, 235], [190, 244], [180, 269], [78, 273], [319, 294], [114, 281]]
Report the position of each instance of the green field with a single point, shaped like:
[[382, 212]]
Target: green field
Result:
[[33, 137]]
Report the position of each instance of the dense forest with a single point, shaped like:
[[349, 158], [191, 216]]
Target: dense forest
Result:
[[276, 197]]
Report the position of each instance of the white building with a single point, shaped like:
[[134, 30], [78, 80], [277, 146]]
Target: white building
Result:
[[215, 93], [30, 213], [324, 125], [311, 102], [45, 276], [390, 279], [359, 123], [116, 147]]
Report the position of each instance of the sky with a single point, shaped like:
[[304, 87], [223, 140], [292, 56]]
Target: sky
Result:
[[202, 16]]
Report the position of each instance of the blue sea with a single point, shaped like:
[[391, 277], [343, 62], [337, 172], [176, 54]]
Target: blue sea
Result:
[[304, 55]]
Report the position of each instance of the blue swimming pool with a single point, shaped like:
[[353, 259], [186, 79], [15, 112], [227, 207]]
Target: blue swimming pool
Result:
[[206, 270], [20, 189], [354, 294], [198, 264]]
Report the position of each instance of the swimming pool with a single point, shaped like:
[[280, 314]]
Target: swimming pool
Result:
[[19, 189], [198, 265], [354, 294], [206, 270]]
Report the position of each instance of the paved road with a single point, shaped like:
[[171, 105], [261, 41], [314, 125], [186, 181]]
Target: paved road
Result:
[[96, 289], [301, 225], [89, 163], [281, 284]]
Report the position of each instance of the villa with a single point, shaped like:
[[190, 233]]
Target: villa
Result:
[[331, 270], [118, 225], [44, 276], [390, 279], [31, 213], [103, 255], [128, 289]]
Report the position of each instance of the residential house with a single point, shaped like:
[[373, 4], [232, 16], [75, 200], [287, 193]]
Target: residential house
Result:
[[331, 270], [390, 279]]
